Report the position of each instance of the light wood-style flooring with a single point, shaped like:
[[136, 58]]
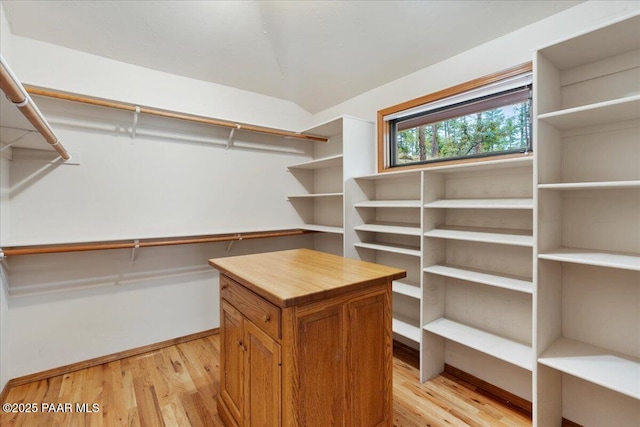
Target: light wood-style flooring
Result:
[[177, 386]]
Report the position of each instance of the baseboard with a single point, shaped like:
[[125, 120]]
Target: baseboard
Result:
[[407, 354], [569, 423], [62, 370], [507, 398]]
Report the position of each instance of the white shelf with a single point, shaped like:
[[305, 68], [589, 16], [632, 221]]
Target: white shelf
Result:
[[600, 185], [326, 162], [323, 228], [408, 288], [617, 110], [481, 204], [478, 276], [626, 261], [402, 174], [391, 228], [389, 204], [314, 196], [497, 236], [504, 349], [405, 327], [595, 364], [389, 247]]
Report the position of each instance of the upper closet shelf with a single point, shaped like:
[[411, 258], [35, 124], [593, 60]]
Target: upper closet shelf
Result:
[[617, 110], [326, 162], [595, 364], [485, 342], [498, 236], [388, 204], [625, 261], [599, 185], [481, 204]]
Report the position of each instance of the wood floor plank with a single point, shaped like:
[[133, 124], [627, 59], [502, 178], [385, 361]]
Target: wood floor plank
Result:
[[178, 386]]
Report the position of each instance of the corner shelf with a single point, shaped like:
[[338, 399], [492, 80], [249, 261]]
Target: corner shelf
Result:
[[389, 247], [408, 288], [323, 228], [625, 261], [504, 349], [472, 234], [314, 196], [406, 327], [325, 162], [482, 277], [594, 364], [391, 228]]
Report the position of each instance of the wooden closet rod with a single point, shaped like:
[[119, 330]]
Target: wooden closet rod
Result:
[[145, 243], [17, 94], [171, 115]]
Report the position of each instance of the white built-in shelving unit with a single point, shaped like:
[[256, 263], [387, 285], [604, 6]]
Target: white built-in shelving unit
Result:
[[478, 271], [320, 201], [587, 96], [388, 230]]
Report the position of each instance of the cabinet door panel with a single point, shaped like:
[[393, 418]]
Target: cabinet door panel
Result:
[[231, 360], [320, 368], [369, 353], [262, 378]]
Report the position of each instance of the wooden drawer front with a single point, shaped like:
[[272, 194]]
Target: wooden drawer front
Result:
[[261, 312]]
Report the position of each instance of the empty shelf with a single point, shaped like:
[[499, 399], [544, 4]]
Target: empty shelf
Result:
[[626, 261], [388, 204], [314, 196], [595, 364], [325, 162], [504, 349], [390, 247], [503, 237], [408, 288], [391, 228], [599, 185], [483, 277], [323, 228], [405, 327], [616, 110], [481, 204]]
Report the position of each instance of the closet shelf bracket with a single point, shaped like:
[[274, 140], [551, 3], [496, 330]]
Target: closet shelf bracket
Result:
[[134, 126], [238, 237], [230, 140], [136, 245]]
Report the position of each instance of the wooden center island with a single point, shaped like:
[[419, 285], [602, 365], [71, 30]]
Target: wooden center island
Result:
[[306, 340]]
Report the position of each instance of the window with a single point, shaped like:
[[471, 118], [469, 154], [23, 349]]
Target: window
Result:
[[487, 117]]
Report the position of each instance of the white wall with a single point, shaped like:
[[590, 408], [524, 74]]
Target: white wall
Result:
[[54, 67], [512, 49]]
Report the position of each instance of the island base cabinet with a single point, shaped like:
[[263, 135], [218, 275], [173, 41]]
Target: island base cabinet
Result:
[[339, 370], [332, 366]]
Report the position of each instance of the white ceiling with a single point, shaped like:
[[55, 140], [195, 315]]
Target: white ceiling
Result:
[[314, 53]]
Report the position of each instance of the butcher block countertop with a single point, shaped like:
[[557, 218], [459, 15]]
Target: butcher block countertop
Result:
[[293, 277]]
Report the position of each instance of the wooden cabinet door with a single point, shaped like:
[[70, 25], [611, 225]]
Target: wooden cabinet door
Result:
[[232, 361], [318, 377], [262, 376], [369, 357]]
